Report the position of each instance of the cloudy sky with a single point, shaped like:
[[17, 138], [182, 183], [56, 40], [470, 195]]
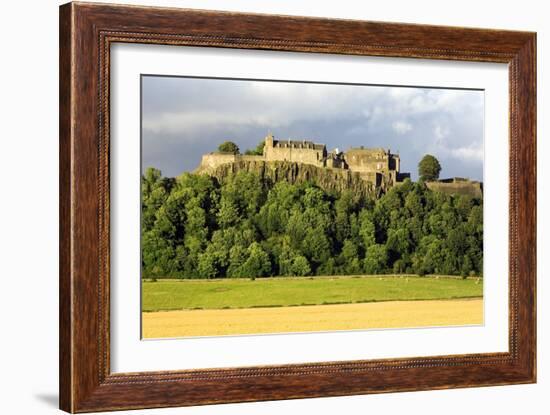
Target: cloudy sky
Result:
[[184, 118]]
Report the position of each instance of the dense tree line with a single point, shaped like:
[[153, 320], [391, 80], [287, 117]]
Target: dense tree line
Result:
[[197, 227]]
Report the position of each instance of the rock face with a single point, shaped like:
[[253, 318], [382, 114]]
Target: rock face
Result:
[[331, 180]]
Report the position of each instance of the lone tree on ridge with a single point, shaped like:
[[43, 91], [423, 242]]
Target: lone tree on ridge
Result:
[[228, 147]]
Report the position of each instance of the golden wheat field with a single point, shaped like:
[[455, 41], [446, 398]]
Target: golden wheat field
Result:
[[388, 314]]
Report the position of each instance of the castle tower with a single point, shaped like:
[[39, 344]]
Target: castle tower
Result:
[[269, 140], [268, 145]]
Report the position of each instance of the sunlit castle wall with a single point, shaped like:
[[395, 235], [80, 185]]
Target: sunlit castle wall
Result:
[[371, 162], [295, 151], [213, 160]]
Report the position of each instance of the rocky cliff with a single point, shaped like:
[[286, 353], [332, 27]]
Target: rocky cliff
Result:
[[331, 180]]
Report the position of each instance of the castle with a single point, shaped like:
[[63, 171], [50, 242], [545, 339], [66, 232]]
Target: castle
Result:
[[374, 165]]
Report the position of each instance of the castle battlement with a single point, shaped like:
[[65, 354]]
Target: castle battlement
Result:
[[374, 165]]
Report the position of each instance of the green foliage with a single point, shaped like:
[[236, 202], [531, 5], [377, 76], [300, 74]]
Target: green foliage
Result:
[[258, 151], [228, 147], [376, 259], [300, 266], [197, 227], [154, 190], [429, 168]]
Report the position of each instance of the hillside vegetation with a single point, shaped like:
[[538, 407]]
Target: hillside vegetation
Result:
[[253, 224]]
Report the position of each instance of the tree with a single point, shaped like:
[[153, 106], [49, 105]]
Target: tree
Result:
[[228, 147], [285, 257], [351, 265], [466, 267], [375, 259], [300, 266], [258, 151], [237, 257], [413, 204], [207, 267], [228, 214], [155, 189], [367, 230], [429, 168], [399, 242], [257, 263], [316, 245], [343, 206], [157, 256]]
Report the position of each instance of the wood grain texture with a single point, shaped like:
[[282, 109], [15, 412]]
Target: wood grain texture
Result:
[[86, 33], [65, 248]]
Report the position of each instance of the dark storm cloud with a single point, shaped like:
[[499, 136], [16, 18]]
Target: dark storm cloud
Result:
[[184, 118]]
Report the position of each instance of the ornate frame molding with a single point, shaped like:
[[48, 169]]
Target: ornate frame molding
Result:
[[86, 33]]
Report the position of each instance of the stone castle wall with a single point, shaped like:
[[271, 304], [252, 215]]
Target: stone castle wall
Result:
[[295, 154], [304, 152], [213, 160], [462, 187], [369, 160], [376, 166], [294, 151]]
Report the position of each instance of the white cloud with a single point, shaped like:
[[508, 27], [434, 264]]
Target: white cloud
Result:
[[402, 93], [269, 104], [401, 127], [440, 132], [471, 153], [175, 103]]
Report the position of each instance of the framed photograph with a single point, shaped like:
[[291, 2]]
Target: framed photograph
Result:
[[258, 207]]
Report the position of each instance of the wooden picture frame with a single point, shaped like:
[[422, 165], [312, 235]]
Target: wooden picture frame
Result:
[[86, 33]]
